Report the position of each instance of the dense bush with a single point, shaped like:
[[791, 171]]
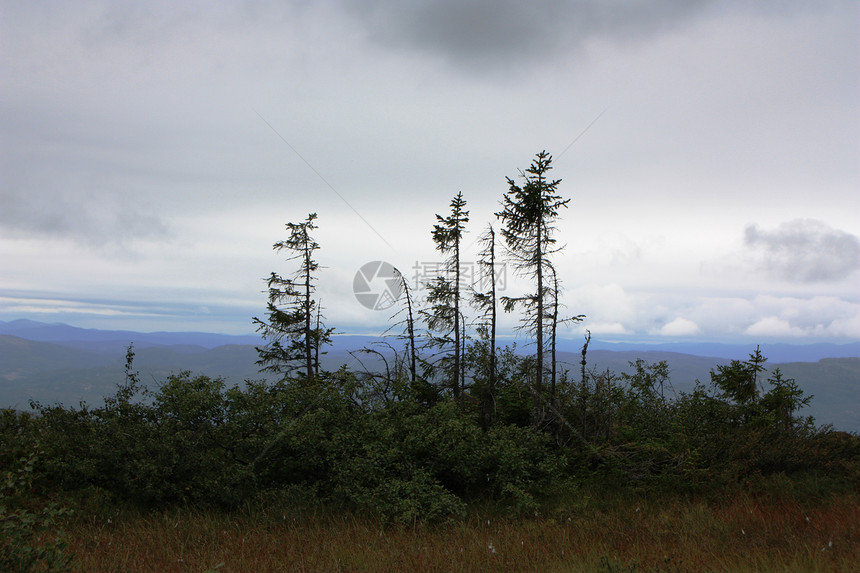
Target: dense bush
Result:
[[31, 538], [341, 441]]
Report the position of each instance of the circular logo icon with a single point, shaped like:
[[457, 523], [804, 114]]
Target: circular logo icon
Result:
[[377, 285]]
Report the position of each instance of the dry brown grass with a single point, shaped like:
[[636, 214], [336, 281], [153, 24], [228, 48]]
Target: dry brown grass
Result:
[[667, 535]]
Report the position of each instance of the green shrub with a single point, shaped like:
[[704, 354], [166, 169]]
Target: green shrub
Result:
[[382, 473], [30, 536]]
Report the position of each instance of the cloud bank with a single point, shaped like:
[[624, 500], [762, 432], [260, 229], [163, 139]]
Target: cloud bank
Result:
[[105, 222], [804, 251]]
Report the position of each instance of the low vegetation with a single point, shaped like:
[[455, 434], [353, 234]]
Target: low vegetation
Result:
[[345, 475]]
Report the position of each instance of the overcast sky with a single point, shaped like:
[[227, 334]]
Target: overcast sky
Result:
[[151, 154]]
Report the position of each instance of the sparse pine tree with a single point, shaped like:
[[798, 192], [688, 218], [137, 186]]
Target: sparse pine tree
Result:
[[554, 321], [444, 314], [408, 325], [410, 331], [293, 327], [485, 302], [528, 215]]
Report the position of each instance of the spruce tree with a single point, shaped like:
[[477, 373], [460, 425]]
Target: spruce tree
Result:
[[444, 296], [528, 215], [293, 327]]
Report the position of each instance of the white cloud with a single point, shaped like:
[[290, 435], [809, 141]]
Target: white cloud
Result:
[[774, 326], [606, 328], [680, 327], [605, 304], [846, 327], [15, 305]]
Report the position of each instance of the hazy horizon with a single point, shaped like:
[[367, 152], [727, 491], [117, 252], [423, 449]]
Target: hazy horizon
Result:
[[523, 341]]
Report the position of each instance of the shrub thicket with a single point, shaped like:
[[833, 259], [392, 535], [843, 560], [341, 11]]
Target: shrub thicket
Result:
[[194, 441]]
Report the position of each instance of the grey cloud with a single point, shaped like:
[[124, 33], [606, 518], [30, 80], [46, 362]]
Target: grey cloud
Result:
[[102, 222], [493, 32], [804, 250]]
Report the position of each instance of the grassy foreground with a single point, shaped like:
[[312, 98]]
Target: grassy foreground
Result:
[[666, 534]]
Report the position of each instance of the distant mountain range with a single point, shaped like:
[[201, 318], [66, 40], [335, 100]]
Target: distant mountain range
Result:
[[61, 363], [92, 339]]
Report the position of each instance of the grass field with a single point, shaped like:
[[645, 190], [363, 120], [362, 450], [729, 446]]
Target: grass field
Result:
[[624, 534]]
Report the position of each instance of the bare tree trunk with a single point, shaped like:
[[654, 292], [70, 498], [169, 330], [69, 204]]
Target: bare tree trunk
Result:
[[308, 307], [553, 340], [493, 314], [317, 341], [538, 404], [458, 382], [487, 304], [410, 325], [583, 387]]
